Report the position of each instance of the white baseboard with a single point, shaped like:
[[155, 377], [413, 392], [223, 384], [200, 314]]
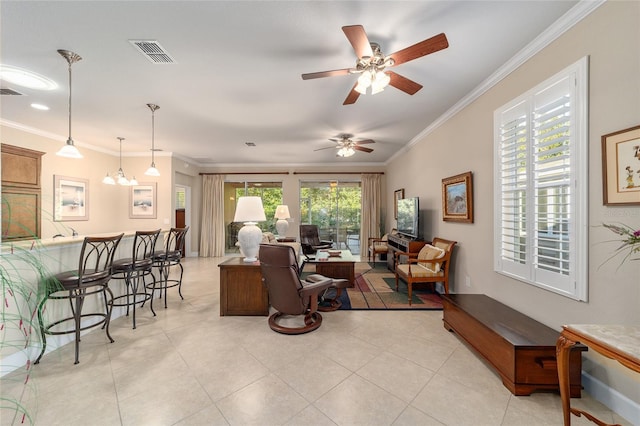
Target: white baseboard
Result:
[[613, 399]]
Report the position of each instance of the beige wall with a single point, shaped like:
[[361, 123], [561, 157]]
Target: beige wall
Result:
[[610, 36], [108, 205]]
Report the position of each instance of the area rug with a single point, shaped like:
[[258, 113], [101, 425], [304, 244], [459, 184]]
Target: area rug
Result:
[[375, 290]]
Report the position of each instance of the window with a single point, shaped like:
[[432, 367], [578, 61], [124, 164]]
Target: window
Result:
[[335, 207], [540, 170]]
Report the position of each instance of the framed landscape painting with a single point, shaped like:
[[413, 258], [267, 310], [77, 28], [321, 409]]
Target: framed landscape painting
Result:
[[621, 167], [70, 198], [457, 198], [142, 201]]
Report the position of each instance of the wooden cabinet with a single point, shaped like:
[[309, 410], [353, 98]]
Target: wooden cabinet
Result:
[[522, 350], [241, 288], [21, 193], [399, 243]]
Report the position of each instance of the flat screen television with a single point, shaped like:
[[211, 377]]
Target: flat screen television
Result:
[[408, 217]]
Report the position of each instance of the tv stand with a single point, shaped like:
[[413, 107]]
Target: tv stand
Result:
[[400, 243]]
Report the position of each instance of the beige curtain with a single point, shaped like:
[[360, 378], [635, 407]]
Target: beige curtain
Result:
[[371, 204], [212, 228]]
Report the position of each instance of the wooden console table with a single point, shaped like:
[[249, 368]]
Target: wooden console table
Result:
[[397, 243], [241, 288], [619, 342], [521, 349]]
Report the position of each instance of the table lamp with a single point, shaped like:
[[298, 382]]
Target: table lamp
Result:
[[249, 210], [282, 214]]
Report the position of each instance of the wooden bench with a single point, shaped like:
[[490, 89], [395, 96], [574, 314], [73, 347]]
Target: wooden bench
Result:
[[521, 349]]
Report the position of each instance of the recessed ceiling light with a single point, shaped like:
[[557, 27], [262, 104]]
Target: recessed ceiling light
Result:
[[26, 78], [40, 107]]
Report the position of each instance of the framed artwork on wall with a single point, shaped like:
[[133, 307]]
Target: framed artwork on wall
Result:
[[70, 198], [142, 201], [621, 167], [457, 198], [398, 194]]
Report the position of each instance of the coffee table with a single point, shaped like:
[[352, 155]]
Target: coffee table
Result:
[[339, 266]]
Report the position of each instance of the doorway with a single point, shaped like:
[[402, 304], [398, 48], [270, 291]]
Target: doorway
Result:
[[182, 214]]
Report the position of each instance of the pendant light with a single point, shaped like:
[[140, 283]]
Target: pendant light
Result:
[[69, 150], [152, 171], [120, 177]]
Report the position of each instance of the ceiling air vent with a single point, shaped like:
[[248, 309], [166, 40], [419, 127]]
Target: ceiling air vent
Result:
[[152, 50], [10, 92]]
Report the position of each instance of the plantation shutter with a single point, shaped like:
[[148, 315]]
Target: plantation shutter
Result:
[[513, 191], [551, 168], [540, 192]]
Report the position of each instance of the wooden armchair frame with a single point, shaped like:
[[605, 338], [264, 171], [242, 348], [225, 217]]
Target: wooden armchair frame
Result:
[[408, 271]]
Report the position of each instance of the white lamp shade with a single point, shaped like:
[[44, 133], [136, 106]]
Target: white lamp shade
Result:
[[249, 209], [69, 151], [282, 212]]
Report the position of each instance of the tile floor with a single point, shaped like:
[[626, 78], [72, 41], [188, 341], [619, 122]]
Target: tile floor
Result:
[[189, 366]]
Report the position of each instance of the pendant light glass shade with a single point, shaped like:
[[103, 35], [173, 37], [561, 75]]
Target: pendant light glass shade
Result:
[[108, 180], [152, 171], [69, 150]]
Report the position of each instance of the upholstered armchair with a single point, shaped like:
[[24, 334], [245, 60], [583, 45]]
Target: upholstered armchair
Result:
[[430, 265], [378, 245]]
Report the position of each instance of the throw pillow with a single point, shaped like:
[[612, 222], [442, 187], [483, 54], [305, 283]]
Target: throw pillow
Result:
[[430, 252]]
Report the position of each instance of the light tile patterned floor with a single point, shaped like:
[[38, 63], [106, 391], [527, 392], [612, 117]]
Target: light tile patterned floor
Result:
[[189, 366]]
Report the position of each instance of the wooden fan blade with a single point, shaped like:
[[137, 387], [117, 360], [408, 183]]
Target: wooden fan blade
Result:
[[358, 39], [320, 149], [352, 97], [418, 50], [403, 83], [365, 141], [322, 74], [362, 148]]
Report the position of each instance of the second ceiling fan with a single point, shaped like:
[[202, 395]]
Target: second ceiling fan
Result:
[[372, 63], [347, 147]]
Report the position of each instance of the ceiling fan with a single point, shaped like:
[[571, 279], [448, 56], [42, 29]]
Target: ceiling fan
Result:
[[371, 64], [347, 147]]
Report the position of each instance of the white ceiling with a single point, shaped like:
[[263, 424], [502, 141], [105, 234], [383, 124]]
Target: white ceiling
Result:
[[237, 73]]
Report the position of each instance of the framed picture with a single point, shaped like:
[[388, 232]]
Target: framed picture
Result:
[[142, 201], [70, 198], [397, 195], [457, 198], [621, 167]]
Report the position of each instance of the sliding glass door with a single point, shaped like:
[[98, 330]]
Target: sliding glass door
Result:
[[336, 208]]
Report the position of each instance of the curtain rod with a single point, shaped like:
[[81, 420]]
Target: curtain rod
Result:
[[338, 173], [245, 173], [295, 173]]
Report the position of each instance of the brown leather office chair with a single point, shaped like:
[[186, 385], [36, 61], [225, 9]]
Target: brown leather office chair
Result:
[[310, 240], [288, 293]]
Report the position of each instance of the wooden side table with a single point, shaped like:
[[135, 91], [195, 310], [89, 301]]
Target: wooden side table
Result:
[[619, 342], [241, 288]]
